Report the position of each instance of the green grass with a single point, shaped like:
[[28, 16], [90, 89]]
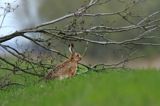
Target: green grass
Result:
[[112, 88]]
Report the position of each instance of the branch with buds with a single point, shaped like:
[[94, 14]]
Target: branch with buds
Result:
[[98, 34]]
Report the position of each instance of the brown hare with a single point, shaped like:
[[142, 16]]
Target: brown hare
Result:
[[67, 68]]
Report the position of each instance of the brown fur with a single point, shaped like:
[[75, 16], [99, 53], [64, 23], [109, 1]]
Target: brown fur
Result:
[[66, 69]]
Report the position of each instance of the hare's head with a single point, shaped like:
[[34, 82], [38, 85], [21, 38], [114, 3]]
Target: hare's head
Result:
[[74, 56]]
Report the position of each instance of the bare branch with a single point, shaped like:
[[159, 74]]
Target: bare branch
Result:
[[23, 70]]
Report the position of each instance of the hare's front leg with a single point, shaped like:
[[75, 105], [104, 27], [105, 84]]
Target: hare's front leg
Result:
[[73, 73]]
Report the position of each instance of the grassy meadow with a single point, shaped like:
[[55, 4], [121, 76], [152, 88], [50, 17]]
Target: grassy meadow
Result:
[[109, 88]]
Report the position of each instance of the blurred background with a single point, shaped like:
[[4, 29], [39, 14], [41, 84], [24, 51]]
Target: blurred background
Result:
[[31, 13]]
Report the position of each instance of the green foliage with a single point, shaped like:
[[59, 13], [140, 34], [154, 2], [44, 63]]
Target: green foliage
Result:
[[112, 88]]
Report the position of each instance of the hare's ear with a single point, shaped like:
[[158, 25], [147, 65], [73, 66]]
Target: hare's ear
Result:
[[71, 48]]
